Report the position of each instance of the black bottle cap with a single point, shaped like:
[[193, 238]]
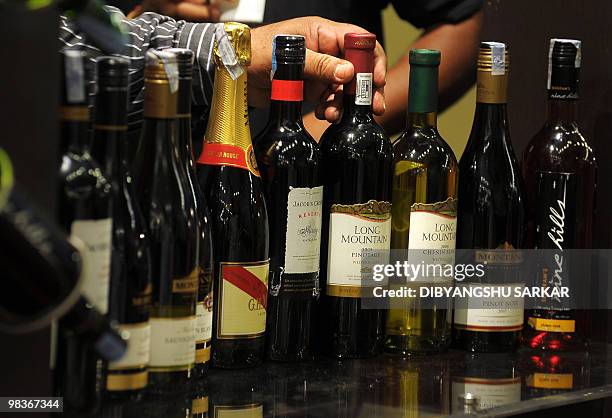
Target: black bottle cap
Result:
[[564, 59], [74, 78], [113, 72], [289, 49], [184, 59]]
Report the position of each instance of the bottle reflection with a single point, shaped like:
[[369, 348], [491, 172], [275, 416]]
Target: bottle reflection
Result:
[[548, 373], [485, 380], [237, 393]]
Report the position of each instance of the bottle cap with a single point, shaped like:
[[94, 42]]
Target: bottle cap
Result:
[[73, 74], [162, 65], [493, 57], [184, 59], [113, 72], [565, 52], [359, 41], [564, 59], [425, 57], [289, 49], [239, 37]]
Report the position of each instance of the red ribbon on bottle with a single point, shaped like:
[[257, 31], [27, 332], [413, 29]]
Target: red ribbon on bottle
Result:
[[288, 90]]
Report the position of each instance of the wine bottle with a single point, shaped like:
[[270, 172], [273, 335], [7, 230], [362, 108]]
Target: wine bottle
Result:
[[491, 213], [550, 373], [424, 211], [560, 171], [130, 283], [205, 262], [169, 210], [85, 213], [228, 175], [289, 161], [41, 271], [357, 162]]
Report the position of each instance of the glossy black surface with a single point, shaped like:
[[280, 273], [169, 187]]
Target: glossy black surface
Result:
[[287, 157], [388, 386], [357, 159], [491, 209]]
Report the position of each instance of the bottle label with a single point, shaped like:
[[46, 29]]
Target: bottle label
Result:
[[204, 318], [359, 238], [363, 89], [551, 381], [214, 153], [555, 230], [303, 238], [287, 90], [497, 314], [172, 343], [138, 337], [490, 392], [97, 237], [243, 299], [552, 325], [433, 226], [238, 411]]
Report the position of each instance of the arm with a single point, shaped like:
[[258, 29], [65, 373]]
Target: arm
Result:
[[459, 45]]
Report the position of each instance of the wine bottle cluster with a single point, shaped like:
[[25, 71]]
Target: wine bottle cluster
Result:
[[255, 250]]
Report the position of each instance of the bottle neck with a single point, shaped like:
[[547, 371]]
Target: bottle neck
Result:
[[287, 94], [110, 130], [562, 111], [422, 97], [491, 116], [184, 121], [358, 93], [75, 128]]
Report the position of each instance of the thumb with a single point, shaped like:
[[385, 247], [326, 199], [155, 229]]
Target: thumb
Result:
[[327, 69]]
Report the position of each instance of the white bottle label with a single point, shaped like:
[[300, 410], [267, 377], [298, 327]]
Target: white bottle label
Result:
[[138, 338], [490, 392], [97, 237], [363, 89], [503, 313], [303, 238], [204, 317], [433, 227], [359, 238], [172, 342]]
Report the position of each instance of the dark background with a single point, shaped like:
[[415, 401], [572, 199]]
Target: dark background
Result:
[[28, 118]]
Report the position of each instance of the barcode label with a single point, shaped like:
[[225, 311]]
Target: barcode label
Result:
[[363, 91]]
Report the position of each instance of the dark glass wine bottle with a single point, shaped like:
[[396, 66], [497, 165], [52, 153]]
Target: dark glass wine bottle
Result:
[[85, 213], [228, 175], [289, 162], [357, 162], [169, 209], [424, 211], [491, 213], [205, 262], [560, 171], [130, 283]]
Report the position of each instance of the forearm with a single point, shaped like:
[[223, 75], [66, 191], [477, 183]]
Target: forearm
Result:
[[459, 46]]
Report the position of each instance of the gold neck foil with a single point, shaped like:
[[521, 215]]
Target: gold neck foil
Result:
[[491, 88], [239, 36], [160, 100], [228, 122]]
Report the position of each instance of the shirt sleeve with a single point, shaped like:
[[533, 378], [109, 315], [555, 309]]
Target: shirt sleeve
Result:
[[151, 30], [425, 13]]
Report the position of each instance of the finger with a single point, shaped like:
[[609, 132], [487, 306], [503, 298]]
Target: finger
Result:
[[378, 102], [328, 41], [196, 13], [331, 109], [327, 69]]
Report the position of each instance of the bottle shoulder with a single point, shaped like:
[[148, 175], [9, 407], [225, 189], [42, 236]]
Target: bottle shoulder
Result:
[[423, 146], [280, 145], [80, 174], [559, 147], [356, 139]]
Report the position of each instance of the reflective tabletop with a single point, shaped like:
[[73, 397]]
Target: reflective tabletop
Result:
[[451, 384]]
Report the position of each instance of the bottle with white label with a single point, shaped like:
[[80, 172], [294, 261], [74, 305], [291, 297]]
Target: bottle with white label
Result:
[[490, 214], [289, 162], [424, 220], [357, 160], [85, 213], [170, 213]]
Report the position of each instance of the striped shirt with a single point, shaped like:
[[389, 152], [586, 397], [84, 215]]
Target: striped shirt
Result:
[[151, 30]]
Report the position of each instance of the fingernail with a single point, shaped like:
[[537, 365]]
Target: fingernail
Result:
[[342, 71]]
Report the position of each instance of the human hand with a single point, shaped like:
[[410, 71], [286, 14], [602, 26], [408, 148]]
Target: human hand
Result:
[[324, 73], [190, 10]]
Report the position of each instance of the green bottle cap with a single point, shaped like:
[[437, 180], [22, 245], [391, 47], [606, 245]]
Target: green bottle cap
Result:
[[423, 89]]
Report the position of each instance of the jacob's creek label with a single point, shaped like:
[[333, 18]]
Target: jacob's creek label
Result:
[[359, 238], [244, 297], [303, 238], [97, 236]]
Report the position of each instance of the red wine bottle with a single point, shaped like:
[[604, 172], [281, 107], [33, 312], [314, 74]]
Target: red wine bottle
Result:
[[357, 170], [289, 161], [560, 170]]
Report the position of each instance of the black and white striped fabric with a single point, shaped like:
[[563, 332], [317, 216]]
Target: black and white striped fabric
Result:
[[152, 30]]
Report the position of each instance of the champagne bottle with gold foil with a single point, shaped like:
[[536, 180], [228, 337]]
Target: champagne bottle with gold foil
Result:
[[424, 212], [205, 263], [169, 208], [491, 213], [228, 175]]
